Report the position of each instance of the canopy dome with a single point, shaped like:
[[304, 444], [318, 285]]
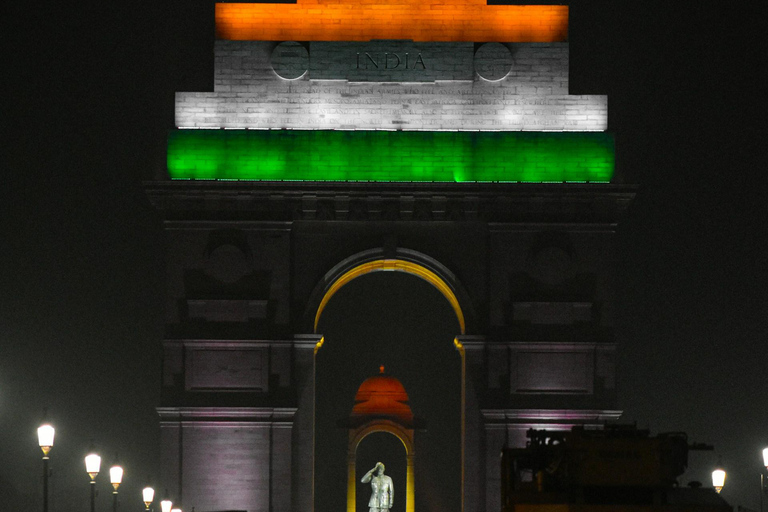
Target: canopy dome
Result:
[[382, 396]]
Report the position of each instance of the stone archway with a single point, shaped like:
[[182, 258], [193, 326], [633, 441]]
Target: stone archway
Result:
[[438, 276]]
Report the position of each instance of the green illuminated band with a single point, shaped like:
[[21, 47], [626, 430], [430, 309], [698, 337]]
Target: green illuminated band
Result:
[[317, 155]]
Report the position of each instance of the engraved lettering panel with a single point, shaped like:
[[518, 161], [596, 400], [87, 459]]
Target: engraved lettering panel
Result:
[[390, 61], [213, 369], [239, 65]]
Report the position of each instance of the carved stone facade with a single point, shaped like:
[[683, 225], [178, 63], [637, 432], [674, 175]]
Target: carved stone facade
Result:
[[526, 266], [533, 278]]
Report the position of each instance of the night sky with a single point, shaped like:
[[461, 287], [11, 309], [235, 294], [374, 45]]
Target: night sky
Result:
[[89, 101]]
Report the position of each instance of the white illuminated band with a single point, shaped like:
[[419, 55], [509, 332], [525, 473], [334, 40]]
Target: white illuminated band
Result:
[[418, 107]]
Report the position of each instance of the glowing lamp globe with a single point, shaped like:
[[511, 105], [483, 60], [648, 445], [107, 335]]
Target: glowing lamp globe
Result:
[[718, 479], [175, 510], [45, 435], [92, 465], [765, 457], [116, 476], [148, 494], [166, 505]]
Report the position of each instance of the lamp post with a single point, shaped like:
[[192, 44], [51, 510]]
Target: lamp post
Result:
[[92, 465], [115, 478], [166, 505], [762, 478], [45, 433], [148, 494], [718, 479]]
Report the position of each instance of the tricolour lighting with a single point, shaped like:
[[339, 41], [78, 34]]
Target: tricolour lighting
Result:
[[351, 20], [328, 155]]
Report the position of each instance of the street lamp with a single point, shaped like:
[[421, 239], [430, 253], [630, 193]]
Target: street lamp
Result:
[[115, 478], [92, 465], [718, 479], [762, 477], [166, 505], [45, 433], [148, 494]]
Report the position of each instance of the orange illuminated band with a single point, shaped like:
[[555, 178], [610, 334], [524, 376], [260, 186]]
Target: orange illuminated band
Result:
[[361, 20], [397, 266]]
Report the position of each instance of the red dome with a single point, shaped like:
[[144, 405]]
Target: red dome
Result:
[[382, 395]]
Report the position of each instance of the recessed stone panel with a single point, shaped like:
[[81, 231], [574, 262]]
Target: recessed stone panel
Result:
[[214, 369], [552, 313], [227, 263], [552, 371], [222, 310]]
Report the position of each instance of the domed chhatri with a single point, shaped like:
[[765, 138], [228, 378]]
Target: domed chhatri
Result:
[[382, 396]]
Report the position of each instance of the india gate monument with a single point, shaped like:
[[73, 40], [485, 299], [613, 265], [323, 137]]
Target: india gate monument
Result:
[[350, 149]]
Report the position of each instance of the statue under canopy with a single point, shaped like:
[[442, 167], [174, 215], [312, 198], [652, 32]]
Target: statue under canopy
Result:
[[382, 490]]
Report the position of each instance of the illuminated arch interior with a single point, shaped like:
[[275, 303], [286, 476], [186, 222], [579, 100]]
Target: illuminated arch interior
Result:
[[405, 435], [394, 265]]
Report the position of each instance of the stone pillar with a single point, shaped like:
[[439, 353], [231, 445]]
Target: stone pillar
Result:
[[351, 482], [410, 484], [304, 431], [280, 478], [473, 481]]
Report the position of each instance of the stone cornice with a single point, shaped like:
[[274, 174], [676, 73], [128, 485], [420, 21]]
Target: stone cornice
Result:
[[174, 415], [593, 203], [578, 415]]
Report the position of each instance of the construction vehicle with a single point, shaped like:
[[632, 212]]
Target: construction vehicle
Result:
[[618, 468]]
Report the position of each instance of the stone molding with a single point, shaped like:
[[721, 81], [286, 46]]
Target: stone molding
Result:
[[568, 203], [224, 415]]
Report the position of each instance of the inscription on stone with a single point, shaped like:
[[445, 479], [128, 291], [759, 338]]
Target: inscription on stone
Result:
[[390, 61], [468, 106]]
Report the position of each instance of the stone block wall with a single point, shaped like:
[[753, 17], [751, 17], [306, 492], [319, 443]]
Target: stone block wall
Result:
[[213, 461], [420, 107], [240, 64], [348, 85]]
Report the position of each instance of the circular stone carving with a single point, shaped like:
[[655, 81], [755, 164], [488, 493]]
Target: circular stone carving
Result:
[[551, 266], [290, 60], [227, 263], [493, 61]]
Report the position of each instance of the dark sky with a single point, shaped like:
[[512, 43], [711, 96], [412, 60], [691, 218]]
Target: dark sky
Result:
[[88, 102]]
